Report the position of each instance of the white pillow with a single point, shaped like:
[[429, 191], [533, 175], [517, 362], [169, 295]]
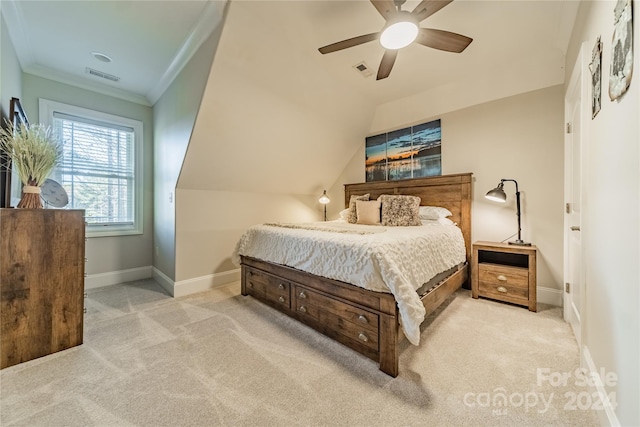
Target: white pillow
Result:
[[344, 214], [368, 212], [434, 212], [439, 221]]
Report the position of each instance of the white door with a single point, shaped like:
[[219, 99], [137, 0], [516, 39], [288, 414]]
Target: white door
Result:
[[574, 272]]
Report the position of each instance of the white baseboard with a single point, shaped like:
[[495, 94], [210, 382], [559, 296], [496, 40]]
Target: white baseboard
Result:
[[197, 284], [549, 296], [607, 417], [204, 283], [99, 280], [163, 280]]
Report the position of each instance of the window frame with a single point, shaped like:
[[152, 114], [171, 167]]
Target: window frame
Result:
[[48, 107]]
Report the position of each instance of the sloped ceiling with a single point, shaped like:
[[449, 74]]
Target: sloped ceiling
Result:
[[148, 41], [272, 118], [278, 116]]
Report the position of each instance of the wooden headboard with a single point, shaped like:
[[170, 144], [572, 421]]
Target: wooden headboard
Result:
[[449, 191]]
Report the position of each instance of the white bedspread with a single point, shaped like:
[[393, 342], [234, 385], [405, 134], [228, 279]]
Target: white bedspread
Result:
[[392, 259]]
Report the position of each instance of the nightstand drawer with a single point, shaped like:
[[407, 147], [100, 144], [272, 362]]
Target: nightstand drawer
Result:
[[504, 275], [503, 282]]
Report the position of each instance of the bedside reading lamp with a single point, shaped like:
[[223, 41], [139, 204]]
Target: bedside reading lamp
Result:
[[498, 195], [324, 199]]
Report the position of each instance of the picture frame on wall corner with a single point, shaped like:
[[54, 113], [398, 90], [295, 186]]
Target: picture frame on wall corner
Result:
[[621, 50], [596, 78]]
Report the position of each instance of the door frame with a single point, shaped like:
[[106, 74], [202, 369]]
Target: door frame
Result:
[[578, 82]]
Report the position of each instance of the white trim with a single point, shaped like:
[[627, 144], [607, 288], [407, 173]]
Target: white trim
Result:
[[208, 22], [195, 285], [84, 83], [46, 111], [14, 19], [163, 280], [204, 283], [607, 417], [549, 296], [99, 280]]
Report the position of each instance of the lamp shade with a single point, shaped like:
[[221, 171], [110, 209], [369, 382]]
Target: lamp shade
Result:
[[497, 194], [324, 199], [401, 31]]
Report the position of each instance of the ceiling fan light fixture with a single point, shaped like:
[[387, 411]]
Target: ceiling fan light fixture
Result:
[[399, 32]]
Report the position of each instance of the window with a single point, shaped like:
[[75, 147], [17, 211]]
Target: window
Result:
[[100, 168]]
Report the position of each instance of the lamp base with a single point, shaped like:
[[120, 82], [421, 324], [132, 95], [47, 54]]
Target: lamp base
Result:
[[519, 243]]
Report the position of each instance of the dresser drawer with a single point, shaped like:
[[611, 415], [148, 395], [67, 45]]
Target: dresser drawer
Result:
[[503, 282], [268, 287], [355, 323]]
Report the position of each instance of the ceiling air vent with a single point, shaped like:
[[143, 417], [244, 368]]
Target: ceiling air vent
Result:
[[363, 69], [102, 74]]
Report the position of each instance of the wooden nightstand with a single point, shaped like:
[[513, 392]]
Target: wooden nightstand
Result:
[[504, 272]]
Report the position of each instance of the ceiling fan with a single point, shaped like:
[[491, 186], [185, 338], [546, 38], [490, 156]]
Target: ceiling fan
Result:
[[401, 29]]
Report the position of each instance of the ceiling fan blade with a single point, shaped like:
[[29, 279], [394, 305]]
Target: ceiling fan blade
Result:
[[443, 40], [385, 7], [355, 41], [426, 8], [388, 59]]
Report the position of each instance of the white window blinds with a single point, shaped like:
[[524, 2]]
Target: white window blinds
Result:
[[98, 168]]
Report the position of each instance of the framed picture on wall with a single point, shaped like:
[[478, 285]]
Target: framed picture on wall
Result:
[[17, 117], [621, 50], [596, 78], [376, 158], [411, 152]]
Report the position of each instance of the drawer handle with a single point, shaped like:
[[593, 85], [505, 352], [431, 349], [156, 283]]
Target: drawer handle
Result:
[[363, 319], [502, 278], [303, 295], [302, 309], [251, 284], [363, 337], [501, 289], [281, 299], [281, 286]]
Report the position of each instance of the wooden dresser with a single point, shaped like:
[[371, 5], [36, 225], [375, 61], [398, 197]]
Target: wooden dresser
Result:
[[42, 261], [504, 272]]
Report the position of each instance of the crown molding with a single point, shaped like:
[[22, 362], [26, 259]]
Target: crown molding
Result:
[[14, 18], [209, 21], [16, 25], [79, 82]]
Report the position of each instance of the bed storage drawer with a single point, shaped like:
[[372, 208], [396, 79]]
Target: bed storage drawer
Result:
[[268, 287], [504, 282], [352, 322]]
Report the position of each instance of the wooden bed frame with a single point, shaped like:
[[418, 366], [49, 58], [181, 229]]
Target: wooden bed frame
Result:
[[363, 320]]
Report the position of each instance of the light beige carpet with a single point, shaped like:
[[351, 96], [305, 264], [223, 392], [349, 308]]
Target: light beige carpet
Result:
[[218, 358]]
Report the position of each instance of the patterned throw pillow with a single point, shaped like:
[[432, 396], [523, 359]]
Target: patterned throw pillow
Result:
[[400, 211], [353, 215]]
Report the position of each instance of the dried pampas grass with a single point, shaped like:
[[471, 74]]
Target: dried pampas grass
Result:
[[34, 152]]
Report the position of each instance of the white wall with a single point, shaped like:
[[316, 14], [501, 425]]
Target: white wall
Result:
[[272, 132], [120, 256], [519, 137], [611, 218], [174, 115], [10, 72]]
